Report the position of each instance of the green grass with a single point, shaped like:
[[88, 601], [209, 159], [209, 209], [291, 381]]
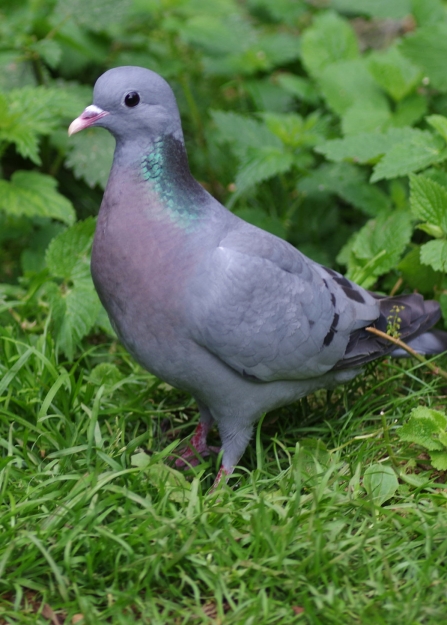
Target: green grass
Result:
[[294, 538]]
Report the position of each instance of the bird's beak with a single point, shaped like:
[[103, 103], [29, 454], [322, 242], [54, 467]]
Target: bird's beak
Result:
[[91, 114]]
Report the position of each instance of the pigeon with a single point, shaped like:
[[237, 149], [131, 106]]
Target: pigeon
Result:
[[209, 303]]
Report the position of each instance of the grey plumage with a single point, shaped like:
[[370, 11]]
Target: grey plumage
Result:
[[211, 304]]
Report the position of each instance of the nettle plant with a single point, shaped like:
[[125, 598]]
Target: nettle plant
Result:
[[323, 122]]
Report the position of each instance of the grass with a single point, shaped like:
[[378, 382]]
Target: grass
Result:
[[96, 527]]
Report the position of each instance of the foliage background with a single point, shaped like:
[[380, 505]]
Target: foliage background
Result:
[[305, 118], [321, 121]]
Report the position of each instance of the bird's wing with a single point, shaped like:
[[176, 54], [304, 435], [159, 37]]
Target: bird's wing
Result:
[[271, 313]]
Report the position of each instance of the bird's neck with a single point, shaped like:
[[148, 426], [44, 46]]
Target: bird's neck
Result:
[[163, 168]]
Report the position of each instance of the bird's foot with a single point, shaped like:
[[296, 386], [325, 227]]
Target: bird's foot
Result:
[[222, 475], [197, 447]]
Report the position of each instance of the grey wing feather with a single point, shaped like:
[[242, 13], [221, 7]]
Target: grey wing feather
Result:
[[271, 313]]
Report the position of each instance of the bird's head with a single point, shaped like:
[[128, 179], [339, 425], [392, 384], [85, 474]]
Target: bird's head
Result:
[[132, 103]]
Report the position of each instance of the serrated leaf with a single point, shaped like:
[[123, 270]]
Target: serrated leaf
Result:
[[95, 15], [439, 460], [380, 483], [67, 255], [424, 427], [378, 247], [329, 39], [81, 309], [219, 34], [365, 117], [394, 73], [365, 147], [348, 182], [294, 130], [105, 373], [397, 9], [443, 304], [349, 83], [409, 110], [49, 50], [243, 132], [141, 460], [439, 123], [260, 165], [28, 113], [91, 156], [34, 194], [427, 48], [421, 277], [428, 12], [300, 87], [428, 201], [417, 152], [434, 253]]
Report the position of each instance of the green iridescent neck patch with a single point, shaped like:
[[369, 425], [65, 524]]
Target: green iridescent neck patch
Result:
[[165, 168]]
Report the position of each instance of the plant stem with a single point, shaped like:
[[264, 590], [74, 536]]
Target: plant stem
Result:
[[408, 349]]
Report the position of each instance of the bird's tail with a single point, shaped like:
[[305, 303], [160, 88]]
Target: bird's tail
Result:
[[427, 344], [408, 317]]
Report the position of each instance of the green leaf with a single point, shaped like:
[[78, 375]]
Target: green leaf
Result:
[[28, 113], [49, 50], [394, 73], [409, 110], [300, 87], [439, 460], [293, 130], [34, 195], [421, 277], [365, 117], [364, 148], [329, 39], [434, 253], [349, 83], [428, 12], [420, 150], [95, 15], [68, 254], [243, 132], [260, 165], [424, 427], [380, 483], [439, 123], [105, 373], [378, 247], [91, 155], [428, 201], [219, 35], [74, 312], [394, 9], [443, 304], [427, 48], [348, 182]]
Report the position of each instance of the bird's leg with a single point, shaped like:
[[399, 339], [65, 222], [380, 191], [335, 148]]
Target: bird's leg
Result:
[[198, 444], [222, 475], [235, 439]]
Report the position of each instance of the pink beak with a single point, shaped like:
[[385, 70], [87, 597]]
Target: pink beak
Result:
[[91, 114]]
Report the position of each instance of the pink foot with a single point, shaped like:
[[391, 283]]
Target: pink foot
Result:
[[197, 446], [222, 475]]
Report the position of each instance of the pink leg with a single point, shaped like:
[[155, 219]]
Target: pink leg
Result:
[[197, 446], [223, 474]]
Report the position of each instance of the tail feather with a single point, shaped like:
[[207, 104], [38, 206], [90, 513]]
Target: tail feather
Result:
[[427, 344], [409, 316]]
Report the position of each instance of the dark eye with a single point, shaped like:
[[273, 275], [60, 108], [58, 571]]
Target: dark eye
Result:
[[132, 99]]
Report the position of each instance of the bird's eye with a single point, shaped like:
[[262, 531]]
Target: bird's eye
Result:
[[132, 99]]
